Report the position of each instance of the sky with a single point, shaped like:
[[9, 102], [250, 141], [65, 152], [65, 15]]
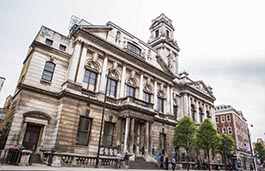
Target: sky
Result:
[[222, 42]]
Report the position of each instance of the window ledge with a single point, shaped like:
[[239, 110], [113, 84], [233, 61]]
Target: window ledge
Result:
[[45, 82]]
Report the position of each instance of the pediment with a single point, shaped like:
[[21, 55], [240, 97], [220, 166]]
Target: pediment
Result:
[[200, 86]]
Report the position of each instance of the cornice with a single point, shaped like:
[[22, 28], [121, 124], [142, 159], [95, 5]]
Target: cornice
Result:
[[130, 57]]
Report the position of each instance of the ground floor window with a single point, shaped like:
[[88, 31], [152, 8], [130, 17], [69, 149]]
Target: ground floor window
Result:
[[108, 133], [162, 141], [83, 130]]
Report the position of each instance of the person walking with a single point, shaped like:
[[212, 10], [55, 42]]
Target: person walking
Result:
[[158, 160], [166, 162], [126, 159], [118, 160], [162, 161], [142, 150], [173, 163]]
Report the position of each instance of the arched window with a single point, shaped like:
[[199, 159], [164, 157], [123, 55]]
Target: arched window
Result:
[[133, 48], [193, 111], [48, 71], [201, 115], [90, 77]]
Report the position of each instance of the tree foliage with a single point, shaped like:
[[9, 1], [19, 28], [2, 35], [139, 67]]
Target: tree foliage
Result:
[[260, 152], [226, 146], [184, 136], [207, 138]]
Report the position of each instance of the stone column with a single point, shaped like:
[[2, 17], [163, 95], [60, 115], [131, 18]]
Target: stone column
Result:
[[146, 137], [119, 132], [132, 135], [141, 86], [155, 95], [167, 107], [123, 77], [186, 104], [151, 136], [42, 136], [81, 69], [204, 112], [197, 115], [171, 102], [22, 133], [103, 79], [74, 61], [126, 134], [189, 107], [138, 138]]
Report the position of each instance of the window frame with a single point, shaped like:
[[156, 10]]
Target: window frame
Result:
[[88, 74], [134, 48], [110, 91], [48, 42], [130, 91], [160, 104], [48, 72], [88, 131], [147, 97], [62, 47], [106, 141]]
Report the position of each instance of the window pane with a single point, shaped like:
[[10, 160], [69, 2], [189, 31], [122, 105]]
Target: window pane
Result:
[[83, 130], [48, 71], [108, 133]]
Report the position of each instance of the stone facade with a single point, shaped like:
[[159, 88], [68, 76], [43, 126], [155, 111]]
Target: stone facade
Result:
[[61, 92]]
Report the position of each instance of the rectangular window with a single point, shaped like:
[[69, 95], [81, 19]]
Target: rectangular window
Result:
[[133, 48], [108, 133], [83, 130], [224, 130], [160, 105], [222, 118], [216, 119], [130, 91], [157, 33], [90, 78], [228, 118], [62, 47], [48, 42], [147, 97], [175, 110], [230, 130], [48, 71], [167, 34], [2, 117], [111, 87], [162, 141]]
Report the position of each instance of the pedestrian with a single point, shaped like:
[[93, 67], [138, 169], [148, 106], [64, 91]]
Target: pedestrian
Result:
[[158, 160], [142, 150], [118, 160], [173, 162], [251, 167], [162, 161], [166, 162], [126, 159], [31, 155]]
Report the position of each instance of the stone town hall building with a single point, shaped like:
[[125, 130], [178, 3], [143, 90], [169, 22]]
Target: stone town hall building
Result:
[[59, 99]]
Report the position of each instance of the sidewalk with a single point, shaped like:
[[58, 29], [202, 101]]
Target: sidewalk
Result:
[[42, 167]]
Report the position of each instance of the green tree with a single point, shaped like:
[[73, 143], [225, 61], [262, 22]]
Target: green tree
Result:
[[226, 146], [185, 132], [260, 152], [207, 138]]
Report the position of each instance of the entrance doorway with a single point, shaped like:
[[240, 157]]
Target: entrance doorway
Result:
[[31, 137]]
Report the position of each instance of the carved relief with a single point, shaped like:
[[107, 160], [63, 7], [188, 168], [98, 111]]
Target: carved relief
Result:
[[148, 87]]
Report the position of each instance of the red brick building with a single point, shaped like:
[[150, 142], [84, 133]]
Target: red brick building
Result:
[[232, 122]]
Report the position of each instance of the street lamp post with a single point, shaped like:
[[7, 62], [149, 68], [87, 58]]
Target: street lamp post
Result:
[[102, 119]]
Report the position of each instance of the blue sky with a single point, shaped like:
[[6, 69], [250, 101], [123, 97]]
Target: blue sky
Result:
[[221, 42]]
